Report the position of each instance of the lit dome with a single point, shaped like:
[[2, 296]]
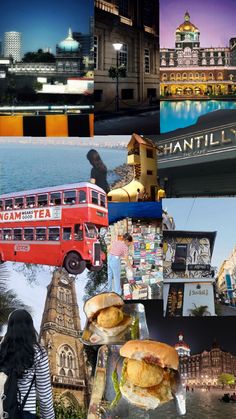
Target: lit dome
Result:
[[187, 26], [69, 44]]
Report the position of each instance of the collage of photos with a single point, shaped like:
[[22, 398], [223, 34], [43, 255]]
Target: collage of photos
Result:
[[117, 207]]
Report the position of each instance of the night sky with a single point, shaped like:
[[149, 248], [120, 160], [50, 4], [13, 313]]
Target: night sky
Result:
[[199, 333], [215, 20], [45, 23]]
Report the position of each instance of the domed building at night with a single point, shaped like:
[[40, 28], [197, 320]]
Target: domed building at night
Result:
[[188, 70], [68, 55]]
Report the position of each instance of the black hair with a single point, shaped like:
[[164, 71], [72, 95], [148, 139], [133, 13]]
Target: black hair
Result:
[[138, 190], [127, 237], [96, 161], [17, 348]]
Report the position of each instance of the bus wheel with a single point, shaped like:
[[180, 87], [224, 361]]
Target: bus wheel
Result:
[[92, 268], [74, 264]]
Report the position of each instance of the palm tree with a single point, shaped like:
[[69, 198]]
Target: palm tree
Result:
[[8, 298], [199, 311]]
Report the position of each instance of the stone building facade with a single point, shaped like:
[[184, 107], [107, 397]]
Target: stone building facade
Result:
[[191, 70], [135, 25], [59, 333]]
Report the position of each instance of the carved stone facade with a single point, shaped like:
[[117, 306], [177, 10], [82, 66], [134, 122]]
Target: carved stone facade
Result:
[[190, 70], [59, 333]]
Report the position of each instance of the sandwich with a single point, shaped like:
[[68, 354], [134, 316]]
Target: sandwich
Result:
[[148, 373], [105, 313]]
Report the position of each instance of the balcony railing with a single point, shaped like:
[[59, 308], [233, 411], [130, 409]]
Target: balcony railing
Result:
[[107, 7]]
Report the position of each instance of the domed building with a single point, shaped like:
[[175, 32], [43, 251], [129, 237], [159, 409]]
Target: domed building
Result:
[[68, 55], [181, 347], [189, 70]]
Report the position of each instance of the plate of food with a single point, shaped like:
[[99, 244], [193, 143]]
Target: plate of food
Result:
[[135, 380], [111, 321]]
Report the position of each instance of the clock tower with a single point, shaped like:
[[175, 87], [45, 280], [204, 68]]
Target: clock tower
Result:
[[59, 333]]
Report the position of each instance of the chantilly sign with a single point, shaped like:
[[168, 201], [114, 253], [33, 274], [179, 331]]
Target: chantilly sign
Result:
[[199, 143]]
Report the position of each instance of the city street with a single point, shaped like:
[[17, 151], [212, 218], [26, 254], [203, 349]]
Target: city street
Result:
[[200, 404], [145, 123], [227, 310]]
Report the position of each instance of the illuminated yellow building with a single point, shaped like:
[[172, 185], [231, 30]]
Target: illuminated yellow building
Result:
[[142, 155], [189, 70]]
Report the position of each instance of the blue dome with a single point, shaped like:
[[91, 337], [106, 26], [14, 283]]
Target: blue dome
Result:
[[69, 44]]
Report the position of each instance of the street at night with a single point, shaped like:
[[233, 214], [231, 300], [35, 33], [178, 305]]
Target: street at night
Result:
[[145, 123]]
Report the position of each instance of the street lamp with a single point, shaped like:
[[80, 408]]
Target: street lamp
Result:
[[117, 47]]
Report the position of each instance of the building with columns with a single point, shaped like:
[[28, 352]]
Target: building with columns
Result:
[[190, 70], [59, 333], [134, 24]]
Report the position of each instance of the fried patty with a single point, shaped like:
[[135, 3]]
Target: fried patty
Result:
[[142, 374], [110, 317]]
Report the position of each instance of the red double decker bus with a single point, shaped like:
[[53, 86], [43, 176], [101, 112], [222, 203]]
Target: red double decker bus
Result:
[[56, 226]]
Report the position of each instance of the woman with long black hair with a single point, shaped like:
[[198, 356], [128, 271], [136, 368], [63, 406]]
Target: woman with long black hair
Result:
[[98, 171], [23, 356]]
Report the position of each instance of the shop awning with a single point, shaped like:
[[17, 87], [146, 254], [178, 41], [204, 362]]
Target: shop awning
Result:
[[141, 210]]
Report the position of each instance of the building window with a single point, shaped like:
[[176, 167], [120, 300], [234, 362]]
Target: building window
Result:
[[172, 76], [123, 55], [124, 8], [98, 95], [127, 94], [149, 172], [95, 52], [181, 253], [147, 61], [151, 92], [149, 153], [164, 76]]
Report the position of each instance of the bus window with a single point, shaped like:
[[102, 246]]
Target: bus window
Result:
[[69, 197], [8, 204], [42, 200], [103, 201], [30, 201], [55, 198], [78, 232], [28, 233], [7, 234], [0, 234], [41, 233], [82, 197], [91, 231], [94, 197], [54, 233], [67, 233], [1, 205], [17, 234], [19, 203]]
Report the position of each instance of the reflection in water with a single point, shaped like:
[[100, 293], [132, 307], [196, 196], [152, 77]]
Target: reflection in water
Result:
[[179, 114]]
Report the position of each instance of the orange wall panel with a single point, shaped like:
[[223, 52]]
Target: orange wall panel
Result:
[[11, 126]]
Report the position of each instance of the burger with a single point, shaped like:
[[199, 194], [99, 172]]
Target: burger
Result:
[[105, 312], [148, 374]]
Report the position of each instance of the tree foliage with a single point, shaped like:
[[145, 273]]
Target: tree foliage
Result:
[[64, 410], [226, 379], [8, 298], [39, 57], [113, 72], [97, 280], [199, 311]]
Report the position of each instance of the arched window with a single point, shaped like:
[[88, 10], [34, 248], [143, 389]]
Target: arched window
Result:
[[220, 76], [60, 293], [184, 76], [211, 77], [172, 76], [164, 76], [62, 371], [66, 360]]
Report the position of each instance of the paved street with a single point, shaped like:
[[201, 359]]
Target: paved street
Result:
[[228, 311], [200, 405], [146, 123]]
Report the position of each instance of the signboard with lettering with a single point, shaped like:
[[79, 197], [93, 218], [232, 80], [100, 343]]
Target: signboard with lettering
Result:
[[199, 267], [197, 295], [22, 248], [31, 214], [202, 142]]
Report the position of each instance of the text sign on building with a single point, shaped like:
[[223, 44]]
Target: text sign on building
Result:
[[34, 214], [198, 143], [199, 267]]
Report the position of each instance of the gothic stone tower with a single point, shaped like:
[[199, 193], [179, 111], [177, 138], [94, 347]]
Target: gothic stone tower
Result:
[[59, 333]]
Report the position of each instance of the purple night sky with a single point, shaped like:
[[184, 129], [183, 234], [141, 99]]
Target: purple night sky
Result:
[[215, 20]]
